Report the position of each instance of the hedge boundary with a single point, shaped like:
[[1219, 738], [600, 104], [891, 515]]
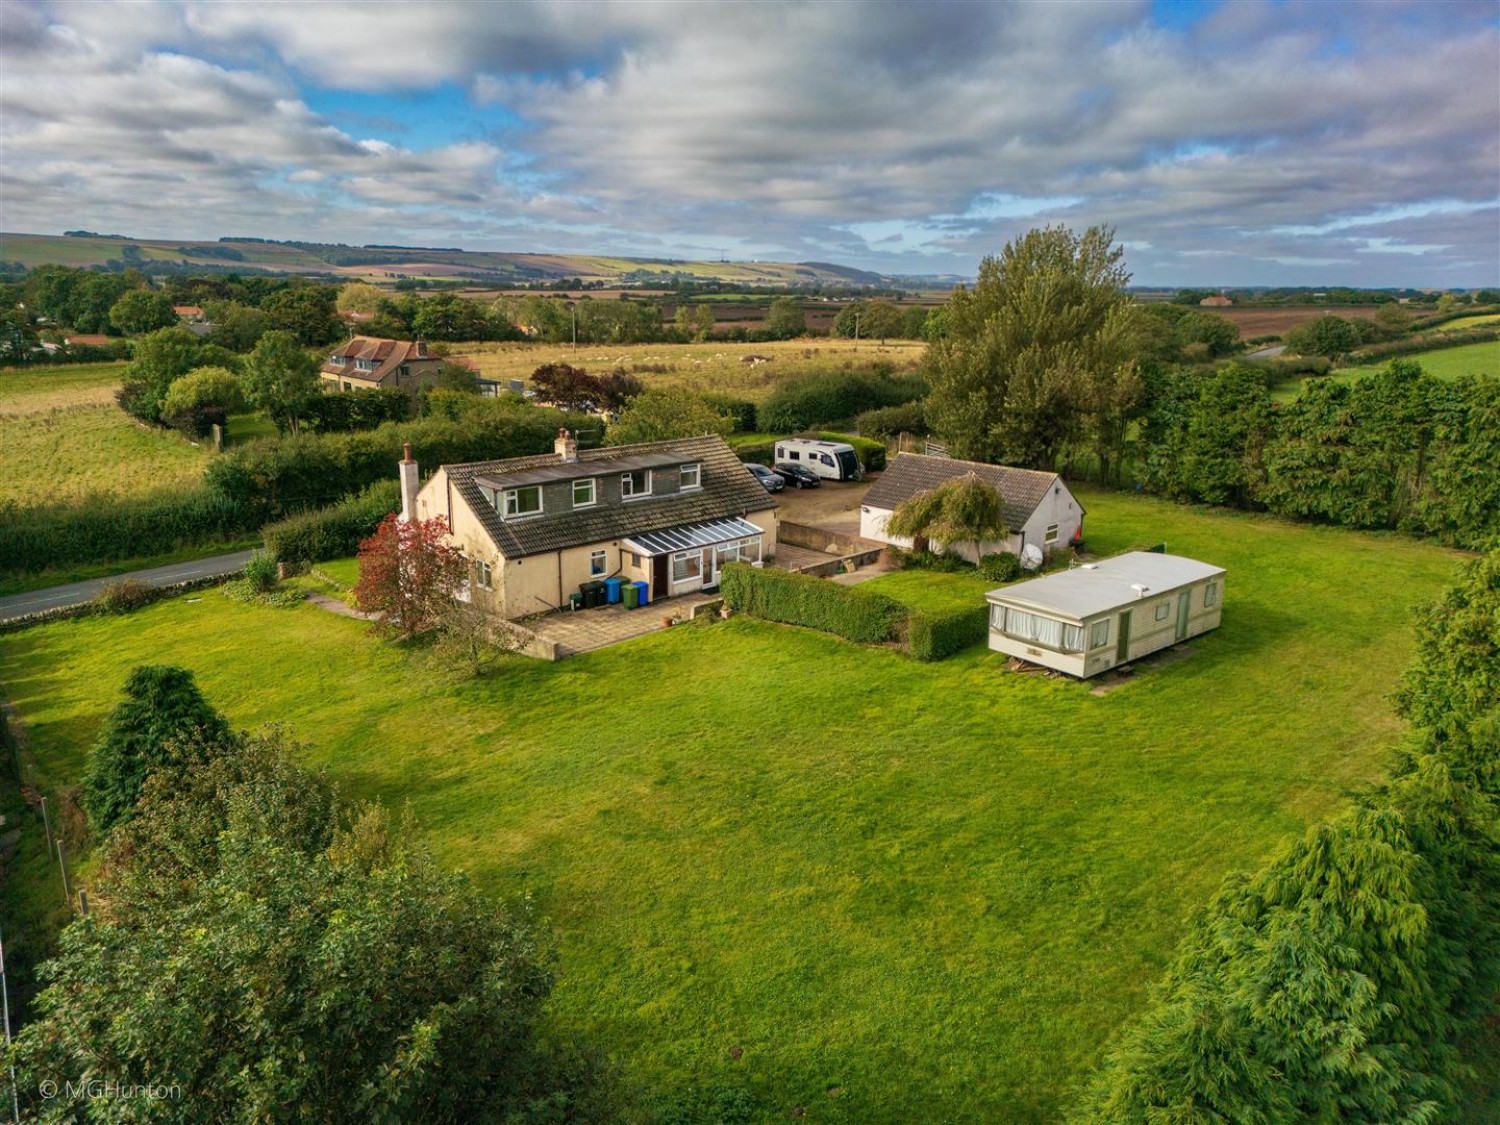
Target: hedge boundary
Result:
[[856, 615], [91, 609]]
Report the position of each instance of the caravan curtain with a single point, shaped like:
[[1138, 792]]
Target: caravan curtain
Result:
[[1035, 629]]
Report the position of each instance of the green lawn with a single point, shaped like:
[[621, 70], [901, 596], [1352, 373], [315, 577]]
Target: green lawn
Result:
[[939, 888]]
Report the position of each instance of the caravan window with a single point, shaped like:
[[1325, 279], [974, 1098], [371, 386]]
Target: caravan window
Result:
[[1210, 595], [1039, 630], [793, 455]]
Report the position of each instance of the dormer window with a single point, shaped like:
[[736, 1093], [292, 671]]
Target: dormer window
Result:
[[517, 502], [336, 359], [692, 476], [365, 364], [584, 493], [635, 485]]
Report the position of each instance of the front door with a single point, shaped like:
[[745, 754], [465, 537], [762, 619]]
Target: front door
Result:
[[661, 569], [1122, 647], [710, 568], [1182, 613]]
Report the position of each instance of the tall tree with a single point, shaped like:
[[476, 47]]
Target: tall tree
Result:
[[309, 312], [1014, 375], [786, 320], [659, 415], [281, 378], [142, 310]]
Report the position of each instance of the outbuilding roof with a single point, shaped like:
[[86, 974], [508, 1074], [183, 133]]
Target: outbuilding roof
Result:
[[1106, 585], [911, 474], [726, 490]]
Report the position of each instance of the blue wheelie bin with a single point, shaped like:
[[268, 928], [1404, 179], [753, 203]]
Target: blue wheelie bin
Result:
[[612, 585], [641, 592]]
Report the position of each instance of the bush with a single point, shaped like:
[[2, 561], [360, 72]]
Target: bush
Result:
[[260, 573], [760, 452], [936, 636], [818, 400], [741, 410], [1000, 567], [929, 560], [357, 410], [888, 421], [125, 595], [799, 599], [336, 531], [871, 454], [1283, 369]]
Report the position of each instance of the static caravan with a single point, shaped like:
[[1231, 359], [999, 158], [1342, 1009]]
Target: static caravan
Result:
[[831, 460], [1100, 615]]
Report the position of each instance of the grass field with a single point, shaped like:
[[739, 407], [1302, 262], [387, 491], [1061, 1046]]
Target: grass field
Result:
[[716, 366], [30, 390], [937, 888], [1469, 322], [1444, 363]]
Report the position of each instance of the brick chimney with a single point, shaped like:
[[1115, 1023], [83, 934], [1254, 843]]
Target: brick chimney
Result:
[[408, 485], [566, 447]]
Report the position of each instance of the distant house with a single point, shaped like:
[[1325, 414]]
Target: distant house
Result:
[[367, 362], [87, 340], [669, 514], [1219, 301], [192, 314], [1039, 507], [1097, 616]]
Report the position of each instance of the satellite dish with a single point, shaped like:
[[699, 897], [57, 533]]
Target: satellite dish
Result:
[[1031, 557]]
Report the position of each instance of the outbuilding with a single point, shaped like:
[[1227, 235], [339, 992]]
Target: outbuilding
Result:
[[1097, 616]]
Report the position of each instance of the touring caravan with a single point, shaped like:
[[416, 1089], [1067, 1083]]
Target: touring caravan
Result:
[[831, 460]]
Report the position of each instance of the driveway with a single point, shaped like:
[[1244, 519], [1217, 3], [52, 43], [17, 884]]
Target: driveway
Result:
[[75, 593], [833, 505]]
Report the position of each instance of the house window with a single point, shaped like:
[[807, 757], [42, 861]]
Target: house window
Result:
[[336, 359], [635, 485], [692, 476], [365, 364], [483, 575], [1163, 611], [687, 565], [597, 564], [1098, 634], [583, 493], [635, 560], [348, 386], [1210, 595], [521, 501], [1051, 534]]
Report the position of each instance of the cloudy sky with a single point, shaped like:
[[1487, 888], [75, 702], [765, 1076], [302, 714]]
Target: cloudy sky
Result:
[[1242, 142]]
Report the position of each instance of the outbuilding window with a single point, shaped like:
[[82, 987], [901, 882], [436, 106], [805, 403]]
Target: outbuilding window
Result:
[[1051, 534]]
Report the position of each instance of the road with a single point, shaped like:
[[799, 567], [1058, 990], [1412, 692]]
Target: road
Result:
[[18, 605]]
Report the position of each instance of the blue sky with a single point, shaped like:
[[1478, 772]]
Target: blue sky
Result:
[[1228, 143]]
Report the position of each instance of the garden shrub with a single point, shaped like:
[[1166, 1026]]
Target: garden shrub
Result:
[[1002, 566], [799, 599], [936, 636], [888, 421], [871, 453], [741, 410], [260, 572], [336, 531], [929, 560], [760, 452], [125, 595]]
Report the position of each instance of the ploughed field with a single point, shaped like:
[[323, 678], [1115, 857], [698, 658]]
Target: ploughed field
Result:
[[905, 892]]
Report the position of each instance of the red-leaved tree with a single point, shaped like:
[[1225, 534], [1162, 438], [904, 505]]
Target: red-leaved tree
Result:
[[409, 574]]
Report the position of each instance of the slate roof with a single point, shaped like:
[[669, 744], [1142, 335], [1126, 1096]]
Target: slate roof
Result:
[[910, 474], [1106, 585], [386, 355], [727, 490]]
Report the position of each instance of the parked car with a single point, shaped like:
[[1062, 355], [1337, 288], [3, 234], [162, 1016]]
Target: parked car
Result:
[[797, 475], [770, 480]]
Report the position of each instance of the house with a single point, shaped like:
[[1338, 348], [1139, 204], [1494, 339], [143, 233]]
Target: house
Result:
[[667, 513], [1039, 508], [192, 314], [1217, 301], [368, 362], [1100, 615]]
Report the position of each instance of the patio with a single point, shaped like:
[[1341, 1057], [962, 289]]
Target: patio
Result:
[[587, 629]]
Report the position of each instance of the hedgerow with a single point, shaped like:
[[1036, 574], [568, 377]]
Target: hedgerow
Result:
[[937, 636], [799, 599], [336, 531]]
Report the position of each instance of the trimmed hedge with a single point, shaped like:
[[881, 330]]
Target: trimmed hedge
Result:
[[888, 421], [741, 410], [820, 400], [871, 453], [799, 599], [334, 532], [937, 636], [102, 528]]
